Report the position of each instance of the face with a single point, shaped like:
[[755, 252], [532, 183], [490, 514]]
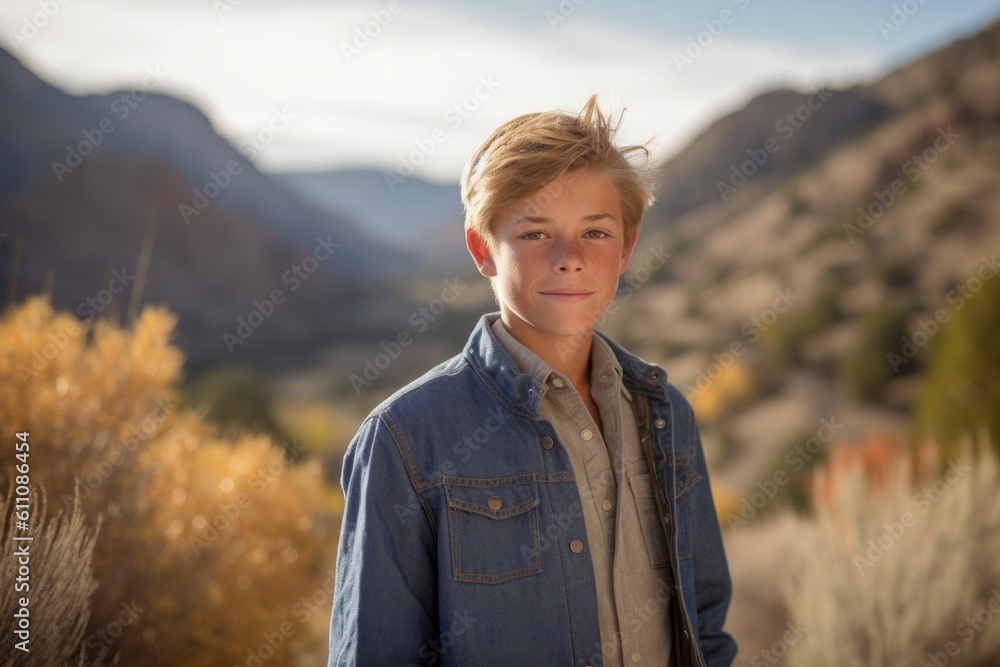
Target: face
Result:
[[556, 258]]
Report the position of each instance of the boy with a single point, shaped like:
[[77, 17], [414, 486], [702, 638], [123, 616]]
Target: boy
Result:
[[541, 498]]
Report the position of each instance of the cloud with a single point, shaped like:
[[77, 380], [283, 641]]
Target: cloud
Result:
[[372, 104]]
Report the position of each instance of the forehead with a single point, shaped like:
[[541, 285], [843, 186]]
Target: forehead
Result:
[[577, 195]]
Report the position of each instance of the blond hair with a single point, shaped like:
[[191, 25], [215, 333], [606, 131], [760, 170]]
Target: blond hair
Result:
[[532, 151]]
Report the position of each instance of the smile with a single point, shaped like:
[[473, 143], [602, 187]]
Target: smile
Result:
[[567, 295]]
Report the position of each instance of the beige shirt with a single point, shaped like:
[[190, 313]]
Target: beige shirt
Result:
[[627, 545]]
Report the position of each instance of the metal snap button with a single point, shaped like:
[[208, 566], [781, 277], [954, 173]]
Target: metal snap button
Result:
[[607, 505], [494, 502], [557, 382], [586, 434], [547, 442], [576, 546], [659, 423]]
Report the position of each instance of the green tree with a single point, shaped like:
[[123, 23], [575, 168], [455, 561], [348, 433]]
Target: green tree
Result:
[[960, 392]]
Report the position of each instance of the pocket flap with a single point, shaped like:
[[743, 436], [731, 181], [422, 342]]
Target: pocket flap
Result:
[[495, 502]]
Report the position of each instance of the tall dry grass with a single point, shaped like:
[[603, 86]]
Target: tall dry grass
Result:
[[59, 555], [889, 572]]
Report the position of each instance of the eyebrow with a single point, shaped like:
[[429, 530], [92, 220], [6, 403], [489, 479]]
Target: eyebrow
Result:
[[542, 220]]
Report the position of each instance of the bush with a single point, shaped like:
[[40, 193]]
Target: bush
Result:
[[214, 542], [888, 573], [961, 387], [865, 369]]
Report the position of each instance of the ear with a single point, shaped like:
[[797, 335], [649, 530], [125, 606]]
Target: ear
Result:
[[627, 250], [480, 253]]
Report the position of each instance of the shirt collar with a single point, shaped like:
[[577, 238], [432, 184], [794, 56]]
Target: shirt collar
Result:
[[522, 391], [605, 368]]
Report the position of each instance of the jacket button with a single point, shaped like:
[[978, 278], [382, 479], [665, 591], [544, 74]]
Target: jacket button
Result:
[[547, 442], [576, 546], [660, 423], [495, 503]]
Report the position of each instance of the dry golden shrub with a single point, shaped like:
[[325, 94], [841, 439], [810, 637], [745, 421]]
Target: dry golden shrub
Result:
[[208, 545], [889, 572]]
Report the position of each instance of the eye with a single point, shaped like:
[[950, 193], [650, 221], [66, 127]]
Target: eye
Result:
[[596, 234], [532, 236]]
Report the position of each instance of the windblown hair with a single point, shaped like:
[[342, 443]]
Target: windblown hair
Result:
[[532, 151]]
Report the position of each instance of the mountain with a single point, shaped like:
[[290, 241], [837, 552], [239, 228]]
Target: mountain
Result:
[[421, 217], [85, 179], [807, 264]]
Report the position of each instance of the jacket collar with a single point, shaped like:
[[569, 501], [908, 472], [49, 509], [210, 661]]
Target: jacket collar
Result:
[[522, 391]]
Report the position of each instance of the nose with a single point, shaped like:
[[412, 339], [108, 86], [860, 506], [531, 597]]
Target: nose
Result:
[[568, 257]]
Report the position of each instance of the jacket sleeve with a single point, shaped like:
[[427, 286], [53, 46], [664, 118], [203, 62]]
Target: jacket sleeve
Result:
[[384, 604], [713, 587]]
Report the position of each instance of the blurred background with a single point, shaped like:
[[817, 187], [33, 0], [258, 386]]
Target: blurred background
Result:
[[230, 228]]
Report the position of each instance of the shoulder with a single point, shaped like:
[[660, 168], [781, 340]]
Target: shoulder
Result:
[[442, 386]]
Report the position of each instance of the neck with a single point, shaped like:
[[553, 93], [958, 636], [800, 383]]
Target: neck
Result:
[[568, 354]]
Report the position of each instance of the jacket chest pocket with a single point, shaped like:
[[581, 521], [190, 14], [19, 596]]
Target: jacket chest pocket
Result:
[[641, 483], [493, 529]]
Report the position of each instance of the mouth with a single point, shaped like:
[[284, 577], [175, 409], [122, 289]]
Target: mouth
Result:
[[567, 294]]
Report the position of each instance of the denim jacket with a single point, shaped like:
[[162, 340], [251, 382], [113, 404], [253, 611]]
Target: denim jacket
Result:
[[461, 508]]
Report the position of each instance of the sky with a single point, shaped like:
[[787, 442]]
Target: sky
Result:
[[407, 84]]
